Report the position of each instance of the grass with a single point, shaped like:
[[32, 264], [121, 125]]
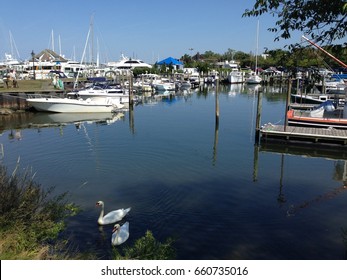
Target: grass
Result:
[[32, 86], [29, 86], [30, 218]]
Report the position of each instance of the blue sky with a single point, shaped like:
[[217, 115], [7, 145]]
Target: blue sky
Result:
[[149, 30]]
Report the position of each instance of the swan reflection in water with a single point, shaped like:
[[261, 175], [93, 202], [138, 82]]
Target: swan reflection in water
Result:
[[120, 234]]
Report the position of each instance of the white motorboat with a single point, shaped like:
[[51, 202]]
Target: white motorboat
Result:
[[318, 98], [126, 63], [163, 85], [102, 91], [332, 86], [68, 105], [195, 80], [235, 75]]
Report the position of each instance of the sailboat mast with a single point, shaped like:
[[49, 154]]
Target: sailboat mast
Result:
[[13, 47], [328, 54], [52, 40], [256, 49], [59, 45], [11, 43], [79, 68], [92, 44]]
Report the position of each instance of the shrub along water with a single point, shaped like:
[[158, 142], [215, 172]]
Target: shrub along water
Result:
[[30, 217], [146, 248]]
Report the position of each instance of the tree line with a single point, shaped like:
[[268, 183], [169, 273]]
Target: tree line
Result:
[[300, 57], [321, 21]]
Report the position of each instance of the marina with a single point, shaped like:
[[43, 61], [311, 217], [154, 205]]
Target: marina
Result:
[[204, 183], [205, 150]]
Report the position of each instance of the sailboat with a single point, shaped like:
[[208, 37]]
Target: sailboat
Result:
[[254, 78]]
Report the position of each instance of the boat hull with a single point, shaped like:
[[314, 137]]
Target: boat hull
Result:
[[317, 99], [66, 105], [255, 79], [307, 120], [236, 78], [164, 87]]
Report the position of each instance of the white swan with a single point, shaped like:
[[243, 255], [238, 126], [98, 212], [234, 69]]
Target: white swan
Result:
[[120, 234], [113, 216]]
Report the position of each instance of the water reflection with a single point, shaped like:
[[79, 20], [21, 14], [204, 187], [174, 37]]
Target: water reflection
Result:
[[45, 120], [168, 97], [309, 150], [305, 150], [188, 166]]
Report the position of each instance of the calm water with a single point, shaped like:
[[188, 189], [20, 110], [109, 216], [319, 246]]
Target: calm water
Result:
[[206, 186]]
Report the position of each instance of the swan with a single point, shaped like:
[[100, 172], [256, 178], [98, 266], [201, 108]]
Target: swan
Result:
[[113, 216], [120, 234]]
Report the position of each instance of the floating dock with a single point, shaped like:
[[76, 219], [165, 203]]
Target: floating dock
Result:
[[271, 132]]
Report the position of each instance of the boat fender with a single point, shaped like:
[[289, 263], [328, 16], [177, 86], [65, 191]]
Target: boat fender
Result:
[[88, 100]]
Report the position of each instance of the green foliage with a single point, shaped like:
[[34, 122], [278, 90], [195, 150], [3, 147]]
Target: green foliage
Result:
[[296, 57], [146, 248], [144, 70], [28, 214], [324, 21]]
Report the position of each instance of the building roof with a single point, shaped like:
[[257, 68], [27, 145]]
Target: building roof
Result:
[[49, 55]]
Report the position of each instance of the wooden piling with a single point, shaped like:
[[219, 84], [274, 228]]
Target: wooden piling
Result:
[[287, 104], [131, 99], [258, 118], [217, 104]]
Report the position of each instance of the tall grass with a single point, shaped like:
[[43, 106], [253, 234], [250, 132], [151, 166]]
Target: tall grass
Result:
[[30, 217]]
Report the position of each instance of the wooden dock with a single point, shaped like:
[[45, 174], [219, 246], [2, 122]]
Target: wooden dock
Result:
[[283, 133]]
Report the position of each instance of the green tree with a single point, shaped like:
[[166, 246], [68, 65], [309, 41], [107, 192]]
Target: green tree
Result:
[[323, 21]]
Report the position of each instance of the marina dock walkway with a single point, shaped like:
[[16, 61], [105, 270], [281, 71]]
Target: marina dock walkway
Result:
[[309, 134]]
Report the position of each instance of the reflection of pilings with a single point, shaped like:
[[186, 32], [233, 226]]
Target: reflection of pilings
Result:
[[255, 162], [215, 144], [327, 196], [217, 105], [216, 128], [131, 119], [281, 198]]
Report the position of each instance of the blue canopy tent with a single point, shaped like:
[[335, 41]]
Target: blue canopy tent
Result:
[[171, 61]]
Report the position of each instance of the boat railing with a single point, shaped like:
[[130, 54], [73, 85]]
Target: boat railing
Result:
[[40, 95]]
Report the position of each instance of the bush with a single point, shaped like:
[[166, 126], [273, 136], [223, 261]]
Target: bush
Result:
[[146, 248], [30, 217]]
